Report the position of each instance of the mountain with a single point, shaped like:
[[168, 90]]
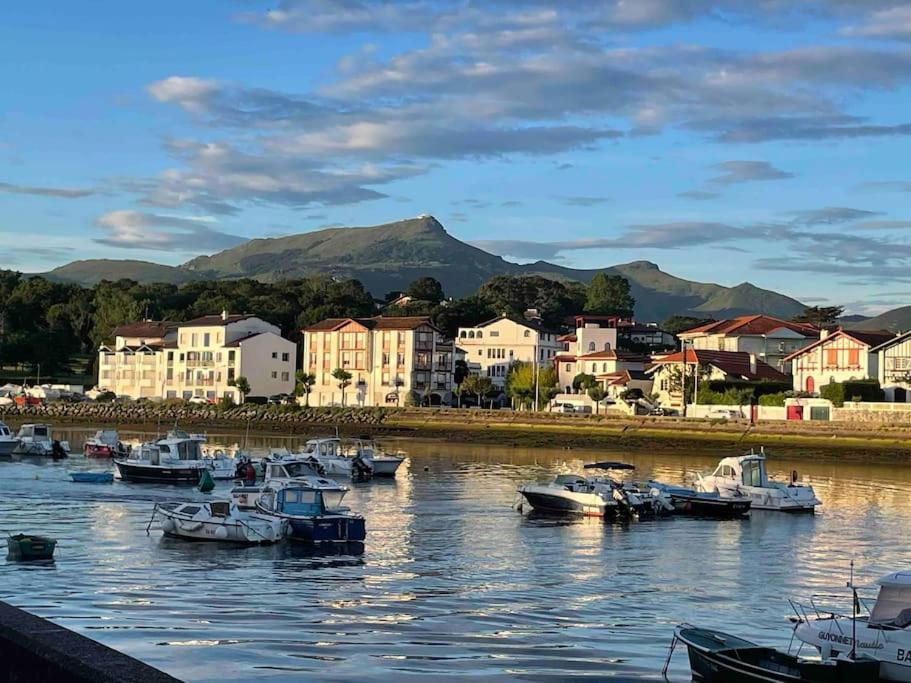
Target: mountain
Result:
[[896, 320], [389, 257]]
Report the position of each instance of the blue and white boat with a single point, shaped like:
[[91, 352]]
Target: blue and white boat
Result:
[[92, 477], [312, 506]]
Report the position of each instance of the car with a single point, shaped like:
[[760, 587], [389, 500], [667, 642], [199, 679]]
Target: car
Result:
[[280, 399], [197, 400], [567, 408], [722, 414]]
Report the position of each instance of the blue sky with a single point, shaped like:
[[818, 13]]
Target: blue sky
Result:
[[725, 140]]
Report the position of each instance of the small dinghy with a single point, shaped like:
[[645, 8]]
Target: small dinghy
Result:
[[30, 548], [699, 504], [92, 477], [717, 657], [217, 521]]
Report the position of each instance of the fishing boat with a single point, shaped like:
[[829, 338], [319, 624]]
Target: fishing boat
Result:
[[223, 463], [717, 657], [105, 444], [382, 463], [36, 440], [29, 548], [313, 508], [220, 521], [92, 477], [8, 442], [334, 460], [883, 633], [173, 460], [688, 501], [746, 475]]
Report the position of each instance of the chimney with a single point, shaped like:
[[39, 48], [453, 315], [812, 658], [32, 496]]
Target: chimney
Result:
[[753, 364], [224, 314]]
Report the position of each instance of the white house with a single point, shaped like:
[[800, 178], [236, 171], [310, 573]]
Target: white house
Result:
[[894, 367], [837, 357]]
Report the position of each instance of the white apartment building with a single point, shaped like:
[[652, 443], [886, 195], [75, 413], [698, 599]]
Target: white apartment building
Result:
[[388, 358], [201, 357], [491, 347]]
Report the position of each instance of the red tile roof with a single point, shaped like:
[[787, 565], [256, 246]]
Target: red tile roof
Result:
[[376, 323], [612, 355], [735, 363], [751, 324], [870, 339]]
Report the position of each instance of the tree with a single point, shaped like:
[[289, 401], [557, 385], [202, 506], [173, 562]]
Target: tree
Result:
[[514, 295], [679, 323], [242, 384], [548, 386], [344, 380], [426, 289], [459, 373], [520, 383], [819, 315], [609, 295], [583, 382], [467, 312], [479, 386], [596, 394], [303, 384]]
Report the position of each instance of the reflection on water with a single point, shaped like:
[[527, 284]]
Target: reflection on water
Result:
[[452, 580]]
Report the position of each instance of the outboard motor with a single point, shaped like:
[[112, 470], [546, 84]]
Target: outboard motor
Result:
[[360, 469], [57, 452], [793, 477]]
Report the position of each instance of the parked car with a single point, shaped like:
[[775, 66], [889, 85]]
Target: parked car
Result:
[[662, 411], [280, 400], [567, 408], [197, 400], [722, 414]]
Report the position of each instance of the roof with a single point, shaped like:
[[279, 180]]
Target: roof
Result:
[[870, 339], [217, 319], [144, 329], [580, 319], [378, 322], [623, 377], [899, 578], [239, 340], [531, 324], [612, 355], [735, 363], [751, 325], [898, 339]]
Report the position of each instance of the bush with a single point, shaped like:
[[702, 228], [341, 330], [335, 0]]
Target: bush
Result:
[[862, 390], [225, 403], [173, 403], [773, 399]]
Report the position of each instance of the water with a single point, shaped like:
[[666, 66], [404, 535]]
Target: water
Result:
[[453, 581]]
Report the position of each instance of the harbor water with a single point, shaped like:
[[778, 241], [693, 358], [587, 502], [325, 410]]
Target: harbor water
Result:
[[453, 581]]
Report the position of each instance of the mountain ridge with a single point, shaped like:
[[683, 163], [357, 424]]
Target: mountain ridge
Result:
[[387, 257]]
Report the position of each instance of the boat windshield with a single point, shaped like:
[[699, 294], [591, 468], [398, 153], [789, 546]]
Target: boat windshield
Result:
[[333, 499], [188, 450], [893, 607], [752, 474]]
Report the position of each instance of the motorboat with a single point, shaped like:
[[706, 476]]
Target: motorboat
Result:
[[105, 444], [717, 657], [223, 463], [596, 496], [8, 442], [36, 439], [334, 460], [172, 460], [218, 521], [746, 475], [289, 470], [313, 508], [382, 463], [689, 501], [883, 633]]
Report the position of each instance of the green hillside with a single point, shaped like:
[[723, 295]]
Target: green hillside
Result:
[[896, 320], [93, 271]]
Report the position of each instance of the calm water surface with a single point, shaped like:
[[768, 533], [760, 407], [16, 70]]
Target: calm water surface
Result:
[[453, 581]]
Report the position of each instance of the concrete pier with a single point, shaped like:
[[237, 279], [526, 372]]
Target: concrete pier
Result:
[[34, 650]]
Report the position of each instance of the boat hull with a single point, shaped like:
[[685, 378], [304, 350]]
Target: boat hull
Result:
[[328, 529], [22, 548], [550, 500], [254, 531], [7, 447], [892, 648], [726, 667], [156, 474], [699, 506], [385, 467]]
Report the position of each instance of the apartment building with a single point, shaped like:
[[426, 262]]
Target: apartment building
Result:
[[389, 358], [201, 357], [491, 347]]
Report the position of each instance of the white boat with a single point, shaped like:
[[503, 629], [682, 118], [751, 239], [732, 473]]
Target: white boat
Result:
[[36, 439], [173, 460], [746, 476], [383, 464], [105, 444], [218, 521], [884, 634], [8, 442], [333, 459], [223, 463]]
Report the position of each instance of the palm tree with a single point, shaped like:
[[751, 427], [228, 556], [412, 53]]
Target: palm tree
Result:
[[304, 382], [242, 384], [344, 380]]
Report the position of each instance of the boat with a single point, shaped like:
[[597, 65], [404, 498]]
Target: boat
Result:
[[223, 464], [105, 444], [687, 501], [173, 460], [28, 548], [312, 507], [36, 440], [717, 657], [883, 634], [220, 521], [382, 463], [334, 460], [746, 475], [92, 477], [8, 442]]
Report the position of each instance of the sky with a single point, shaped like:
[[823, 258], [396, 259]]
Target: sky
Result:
[[725, 140]]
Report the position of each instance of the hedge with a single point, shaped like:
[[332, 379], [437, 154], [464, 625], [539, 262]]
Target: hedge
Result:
[[852, 390]]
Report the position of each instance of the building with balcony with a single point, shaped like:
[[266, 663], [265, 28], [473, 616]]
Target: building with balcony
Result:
[[201, 357], [491, 347], [389, 359]]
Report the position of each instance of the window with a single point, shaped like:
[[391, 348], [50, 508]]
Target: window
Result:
[[527, 333], [275, 354], [170, 356], [193, 339], [494, 333], [471, 335], [607, 346], [854, 358], [463, 334], [480, 334], [285, 376], [230, 356], [591, 346], [285, 357], [831, 357], [206, 339], [274, 375]]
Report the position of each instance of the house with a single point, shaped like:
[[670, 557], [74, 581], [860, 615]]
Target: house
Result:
[[389, 358], [637, 335], [201, 357], [771, 340], [894, 367], [492, 346], [837, 357], [669, 372]]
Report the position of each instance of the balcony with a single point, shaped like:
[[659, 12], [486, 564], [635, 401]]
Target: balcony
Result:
[[200, 363]]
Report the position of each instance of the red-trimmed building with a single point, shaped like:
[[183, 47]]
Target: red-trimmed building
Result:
[[837, 357]]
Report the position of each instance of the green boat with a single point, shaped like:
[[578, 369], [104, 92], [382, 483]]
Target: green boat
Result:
[[27, 548]]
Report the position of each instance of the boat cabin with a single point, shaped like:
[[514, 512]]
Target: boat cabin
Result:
[[748, 470], [289, 469], [306, 497], [331, 447], [108, 437], [4, 430], [169, 450], [34, 432], [893, 604]]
